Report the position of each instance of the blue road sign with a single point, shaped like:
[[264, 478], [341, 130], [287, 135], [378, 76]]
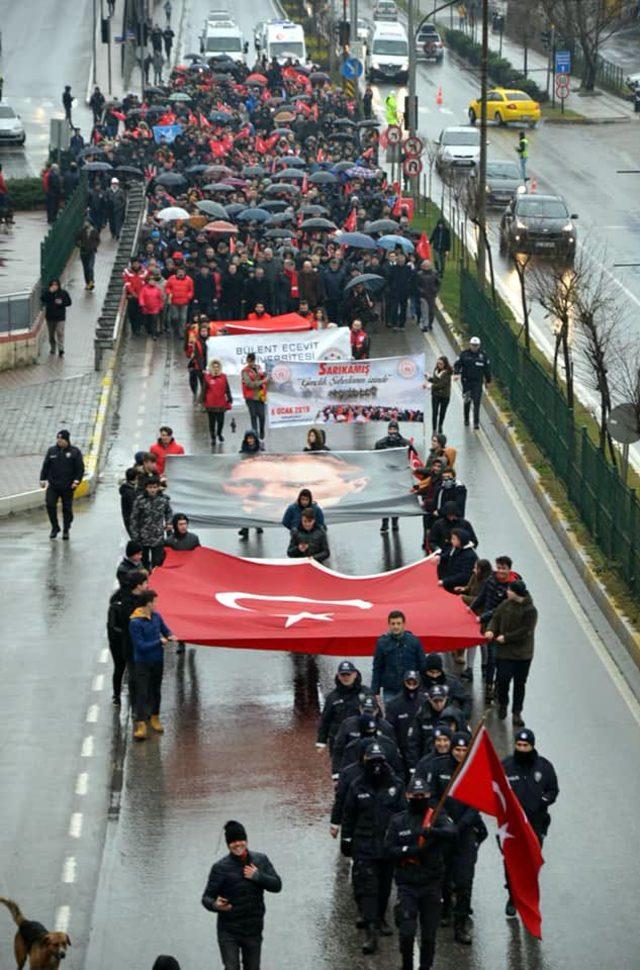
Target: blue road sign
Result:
[[351, 67], [563, 62]]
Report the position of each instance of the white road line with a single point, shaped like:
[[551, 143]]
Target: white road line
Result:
[[104, 656], [69, 869], [98, 682], [82, 783], [92, 714], [87, 747], [75, 825], [63, 915]]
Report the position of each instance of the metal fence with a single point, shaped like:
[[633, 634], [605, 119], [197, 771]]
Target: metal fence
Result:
[[18, 311], [608, 75], [609, 509], [58, 244]]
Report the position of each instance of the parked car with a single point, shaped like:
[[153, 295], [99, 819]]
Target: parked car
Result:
[[502, 182], [457, 147], [429, 46], [539, 224], [505, 105], [11, 127]]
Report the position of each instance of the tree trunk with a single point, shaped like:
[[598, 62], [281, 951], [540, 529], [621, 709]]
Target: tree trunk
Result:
[[589, 75], [568, 372]]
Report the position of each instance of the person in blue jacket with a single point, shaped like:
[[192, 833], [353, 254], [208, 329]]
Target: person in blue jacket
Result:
[[396, 651], [148, 633], [293, 513]]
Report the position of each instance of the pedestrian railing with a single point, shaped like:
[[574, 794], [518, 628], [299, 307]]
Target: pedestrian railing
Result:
[[19, 311], [58, 244], [608, 75], [609, 509]]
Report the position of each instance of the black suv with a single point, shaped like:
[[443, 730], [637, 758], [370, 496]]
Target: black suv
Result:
[[538, 224]]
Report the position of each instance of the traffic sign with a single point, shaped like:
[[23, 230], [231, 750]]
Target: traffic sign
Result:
[[563, 86], [563, 62], [413, 146], [412, 167], [351, 67], [394, 134]]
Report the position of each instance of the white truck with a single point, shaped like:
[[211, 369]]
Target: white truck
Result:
[[222, 37], [283, 40], [388, 53]]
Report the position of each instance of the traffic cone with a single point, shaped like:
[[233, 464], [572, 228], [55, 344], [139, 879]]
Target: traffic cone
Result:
[[439, 95], [533, 185]]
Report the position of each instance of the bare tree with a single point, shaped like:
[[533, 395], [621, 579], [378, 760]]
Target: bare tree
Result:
[[627, 381], [521, 262], [469, 202], [591, 23], [556, 290]]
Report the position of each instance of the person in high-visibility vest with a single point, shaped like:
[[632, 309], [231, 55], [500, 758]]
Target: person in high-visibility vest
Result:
[[391, 108], [522, 149]]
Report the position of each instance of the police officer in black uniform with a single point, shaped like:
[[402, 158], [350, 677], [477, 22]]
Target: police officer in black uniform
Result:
[[61, 473], [473, 368], [340, 703], [416, 847], [535, 784], [428, 715], [440, 748], [370, 803], [461, 862], [350, 730], [370, 730], [402, 709]]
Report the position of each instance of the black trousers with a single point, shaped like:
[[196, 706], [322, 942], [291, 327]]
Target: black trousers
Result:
[[216, 423], [51, 501], [232, 949], [397, 307], [257, 414], [148, 678], [135, 316], [372, 880], [472, 395], [88, 263], [116, 646], [152, 556], [460, 870], [439, 407], [196, 381], [516, 671], [423, 904]]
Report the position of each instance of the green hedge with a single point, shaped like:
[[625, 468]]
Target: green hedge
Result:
[[501, 71], [26, 194]]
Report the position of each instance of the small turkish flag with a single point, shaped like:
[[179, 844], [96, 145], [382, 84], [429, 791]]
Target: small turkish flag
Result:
[[423, 247], [415, 461], [482, 783], [351, 222]]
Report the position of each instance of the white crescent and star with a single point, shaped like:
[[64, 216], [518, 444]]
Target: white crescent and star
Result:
[[231, 601]]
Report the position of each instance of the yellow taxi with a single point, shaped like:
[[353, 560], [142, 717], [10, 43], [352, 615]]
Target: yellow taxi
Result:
[[505, 105]]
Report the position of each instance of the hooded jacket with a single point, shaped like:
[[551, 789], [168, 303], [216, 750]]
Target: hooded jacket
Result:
[[354, 751], [493, 592], [456, 565], [392, 658], [182, 543], [535, 784], [145, 632], [440, 532], [293, 515], [350, 731], [245, 919], [515, 620], [391, 441], [340, 703]]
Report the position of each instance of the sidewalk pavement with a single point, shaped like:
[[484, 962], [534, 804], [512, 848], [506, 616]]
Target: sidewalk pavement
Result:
[[57, 392], [20, 252]]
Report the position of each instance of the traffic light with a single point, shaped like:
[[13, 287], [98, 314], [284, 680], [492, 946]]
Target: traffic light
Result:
[[545, 37], [344, 33]]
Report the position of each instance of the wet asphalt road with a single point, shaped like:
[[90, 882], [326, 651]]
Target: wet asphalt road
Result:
[[240, 733]]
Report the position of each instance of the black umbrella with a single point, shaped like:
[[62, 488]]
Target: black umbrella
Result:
[[193, 57], [91, 150], [280, 219], [313, 210], [285, 187], [293, 161], [153, 90], [319, 76], [217, 170], [369, 123], [219, 187], [134, 112], [254, 171], [234, 208], [279, 233], [220, 78], [129, 170], [382, 225], [98, 167], [323, 178], [370, 281], [171, 180], [343, 166], [253, 214], [213, 209], [221, 117], [342, 136], [196, 169], [274, 205], [344, 123], [289, 173], [324, 224]]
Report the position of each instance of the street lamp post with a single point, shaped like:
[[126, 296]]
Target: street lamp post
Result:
[[481, 199]]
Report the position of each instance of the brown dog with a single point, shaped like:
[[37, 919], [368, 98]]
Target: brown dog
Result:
[[33, 941]]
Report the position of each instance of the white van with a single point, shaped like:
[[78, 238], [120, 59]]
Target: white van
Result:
[[223, 37], [388, 53], [283, 39]]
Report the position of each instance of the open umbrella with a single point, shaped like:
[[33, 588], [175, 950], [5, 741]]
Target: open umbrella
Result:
[[280, 219], [342, 136], [213, 209], [282, 132], [284, 187], [368, 123], [219, 187], [342, 166], [220, 78], [382, 226], [221, 117], [292, 161], [370, 281], [323, 178], [179, 96], [171, 180], [283, 115], [274, 205], [325, 225], [153, 90], [221, 226], [344, 123], [258, 79], [357, 172], [98, 167], [198, 222], [279, 233], [289, 173], [318, 77], [314, 210], [217, 170], [91, 150], [193, 57], [253, 214], [254, 171], [390, 242], [129, 170], [357, 240], [196, 169], [171, 213]]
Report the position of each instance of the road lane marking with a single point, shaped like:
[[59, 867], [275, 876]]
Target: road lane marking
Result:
[[92, 714], [63, 915], [87, 747], [98, 682], [82, 783], [75, 825], [69, 869]]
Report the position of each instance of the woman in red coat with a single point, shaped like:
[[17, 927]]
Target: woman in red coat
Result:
[[217, 399]]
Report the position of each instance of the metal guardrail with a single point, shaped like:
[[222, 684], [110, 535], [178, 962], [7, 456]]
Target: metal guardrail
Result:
[[609, 508], [19, 311]]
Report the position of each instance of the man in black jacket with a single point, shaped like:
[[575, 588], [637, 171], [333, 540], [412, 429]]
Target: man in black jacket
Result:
[[235, 891], [402, 710], [350, 730], [458, 694], [340, 703], [473, 369], [417, 847], [62, 471], [334, 278], [401, 283], [448, 519], [309, 540], [392, 439]]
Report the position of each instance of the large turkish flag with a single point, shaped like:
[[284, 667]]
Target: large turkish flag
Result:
[[481, 782], [284, 322], [215, 599]]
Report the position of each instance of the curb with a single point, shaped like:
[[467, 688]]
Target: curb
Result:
[[562, 529], [92, 461], [572, 122]]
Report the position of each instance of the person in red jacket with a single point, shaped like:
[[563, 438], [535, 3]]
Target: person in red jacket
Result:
[[134, 278], [179, 290], [360, 342], [217, 399], [254, 391], [259, 313], [151, 302], [165, 445]]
